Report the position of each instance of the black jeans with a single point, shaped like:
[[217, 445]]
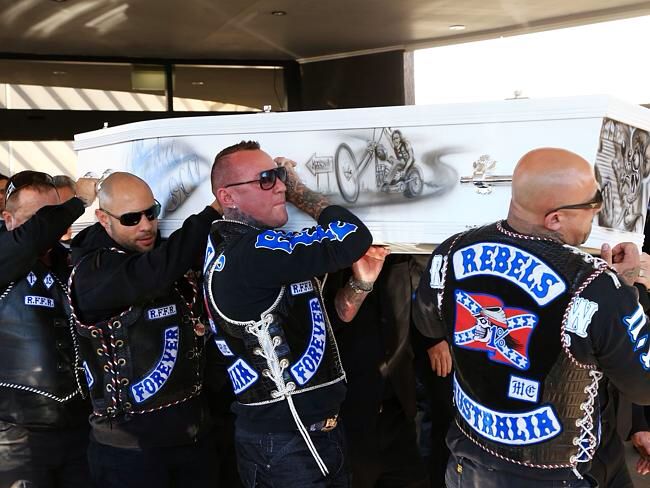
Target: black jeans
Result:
[[282, 459], [465, 473], [43, 458], [189, 466]]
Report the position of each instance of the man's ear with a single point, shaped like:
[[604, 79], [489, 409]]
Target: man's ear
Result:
[[102, 218], [9, 220], [225, 198], [553, 221]]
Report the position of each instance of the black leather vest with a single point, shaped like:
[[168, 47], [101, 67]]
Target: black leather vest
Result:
[[510, 302], [145, 359], [38, 351], [288, 350]]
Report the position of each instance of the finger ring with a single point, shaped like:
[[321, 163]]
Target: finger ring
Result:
[[641, 273]]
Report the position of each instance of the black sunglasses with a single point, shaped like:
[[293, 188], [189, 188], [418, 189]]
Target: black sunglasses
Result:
[[594, 203], [27, 178], [267, 178], [130, 219]]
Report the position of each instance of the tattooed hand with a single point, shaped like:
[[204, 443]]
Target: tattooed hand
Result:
[[625, 259], [302, 197]]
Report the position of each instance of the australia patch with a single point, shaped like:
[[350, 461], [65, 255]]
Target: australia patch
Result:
[[510, 428], [484, 323]]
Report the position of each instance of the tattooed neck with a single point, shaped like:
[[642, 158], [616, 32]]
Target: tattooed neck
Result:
[[239, 216]]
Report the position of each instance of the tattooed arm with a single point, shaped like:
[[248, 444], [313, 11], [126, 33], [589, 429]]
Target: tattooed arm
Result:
[[364, 273], [308, 201]]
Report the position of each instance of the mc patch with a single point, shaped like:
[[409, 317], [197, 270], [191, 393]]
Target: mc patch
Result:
[[89, 375], [483, 323]]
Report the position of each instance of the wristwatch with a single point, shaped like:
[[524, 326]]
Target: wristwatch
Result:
[[359, 286]]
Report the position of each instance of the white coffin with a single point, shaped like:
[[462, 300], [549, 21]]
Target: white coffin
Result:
[[347, 153]]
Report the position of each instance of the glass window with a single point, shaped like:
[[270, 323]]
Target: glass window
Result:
[[51, 85], [228, 88], [52, 157]]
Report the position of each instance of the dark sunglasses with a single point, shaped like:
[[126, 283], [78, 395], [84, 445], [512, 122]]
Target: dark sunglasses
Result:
[[594, 203], [24, 179], [267, 178], [130, 219]]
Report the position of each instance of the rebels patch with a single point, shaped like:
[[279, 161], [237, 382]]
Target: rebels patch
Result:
[[308, 364], [241, 376], [277, 240], [514, 429], [156, 379], [161, 312], [483, 323], [36, 301], [300, 288], [513, 264]]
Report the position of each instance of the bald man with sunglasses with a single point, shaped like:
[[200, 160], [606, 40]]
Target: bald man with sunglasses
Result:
[[141, 341], [537, 329], [43, 426]]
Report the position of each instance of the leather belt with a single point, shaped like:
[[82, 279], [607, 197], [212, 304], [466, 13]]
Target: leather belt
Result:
[[324, 425]]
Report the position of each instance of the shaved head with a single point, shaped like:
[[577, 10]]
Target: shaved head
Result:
[[544, 180], [122, 193]]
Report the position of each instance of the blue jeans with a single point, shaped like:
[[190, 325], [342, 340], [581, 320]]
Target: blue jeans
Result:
[[282, 459], [465, 473]]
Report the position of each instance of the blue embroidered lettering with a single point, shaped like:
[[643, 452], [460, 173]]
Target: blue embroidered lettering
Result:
[[241, 375], [305, 368], [90, 381], [223, 347], [36, 301], [158, 376], [634, 324], [209, 254], [523, 389], [162, 312], [301, 288], [516, 428], [516, 265], [276, 240], [469, 265]]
